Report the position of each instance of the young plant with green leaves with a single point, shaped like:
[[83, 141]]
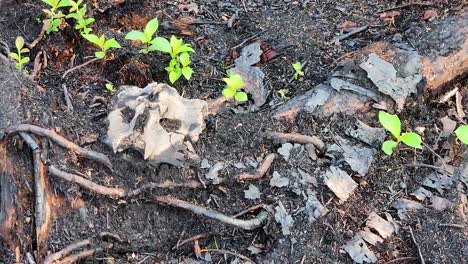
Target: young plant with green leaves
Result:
[[103, 44], [234, 82], [54, 17], [146, 37], [180, 57], [462, 134], [392, 124], [110, 87], [298, 70], [282, 93], [18, 56], [79, 14]]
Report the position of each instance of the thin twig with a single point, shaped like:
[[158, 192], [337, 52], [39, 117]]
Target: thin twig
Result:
[[261, 170], [248, 210], [79, 66], [222, 251], [353, 32], [296, 138], [41, 35], [62, 253], [452, 225], [417, 246], [243, 224], [90, 154], [426, 166], [247, 39], [435, 154], [190, 239]]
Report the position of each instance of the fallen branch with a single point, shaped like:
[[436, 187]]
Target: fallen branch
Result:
[[261, 170], [41, 35], [81, 255], [296, 138], [243, 224], [79, 67], [353, 32], [452, 225], [93, 155], [90, 185]]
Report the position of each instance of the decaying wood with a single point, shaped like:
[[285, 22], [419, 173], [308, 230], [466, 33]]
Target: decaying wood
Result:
[[261, 170], [90, 154], [7, 201], [243, 224], [296, 138], [43, 203]]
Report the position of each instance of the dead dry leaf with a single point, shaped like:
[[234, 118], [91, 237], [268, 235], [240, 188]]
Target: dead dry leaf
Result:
[[429, 15], [384, 228], [448, 126], [340, 183], [347, 25], [252, 193], [358, 250], [282, 217]]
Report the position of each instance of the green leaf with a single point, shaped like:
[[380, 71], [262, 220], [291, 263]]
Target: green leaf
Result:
[[229, 93], [73, 15], [388, 146], [185, 48], [92, 38], [14, 56], [151, 28], [49, 2], [462, 134], [111, 43], [184, 59], [411, 139], [135, 35], [144, 51], [100, 54], [391, 123], [160, 44], [89, 20], [24, 50], [187, 72], [297, 66], [19, 43], [63, 3], [102, 41], [175, 44], [25, 60], [241, 97], [175, 75], [237, 81]]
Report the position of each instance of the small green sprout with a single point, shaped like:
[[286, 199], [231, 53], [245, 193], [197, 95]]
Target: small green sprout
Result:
[[78, 13], [103, 44], [54, 18], [20, 61], [110, 87], [298, 70], [234, 82], [393, 125], [146, 37], [462, 134], [283, 93], [180, 57]]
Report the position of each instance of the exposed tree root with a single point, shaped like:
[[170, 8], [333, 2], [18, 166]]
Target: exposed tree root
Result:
[[116, 191], [261, 170], [90, 154], [243, 224], [67, 250], [296, 138], [41, 35]]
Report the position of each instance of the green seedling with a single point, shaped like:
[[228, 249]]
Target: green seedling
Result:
[[146, 37], [20, 60], [462, 134], [298, 70], [234, 82], [393, 125], [110, 87], [282, 93], [54, 18], [79, 14], [103, 44], [180, 57]]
